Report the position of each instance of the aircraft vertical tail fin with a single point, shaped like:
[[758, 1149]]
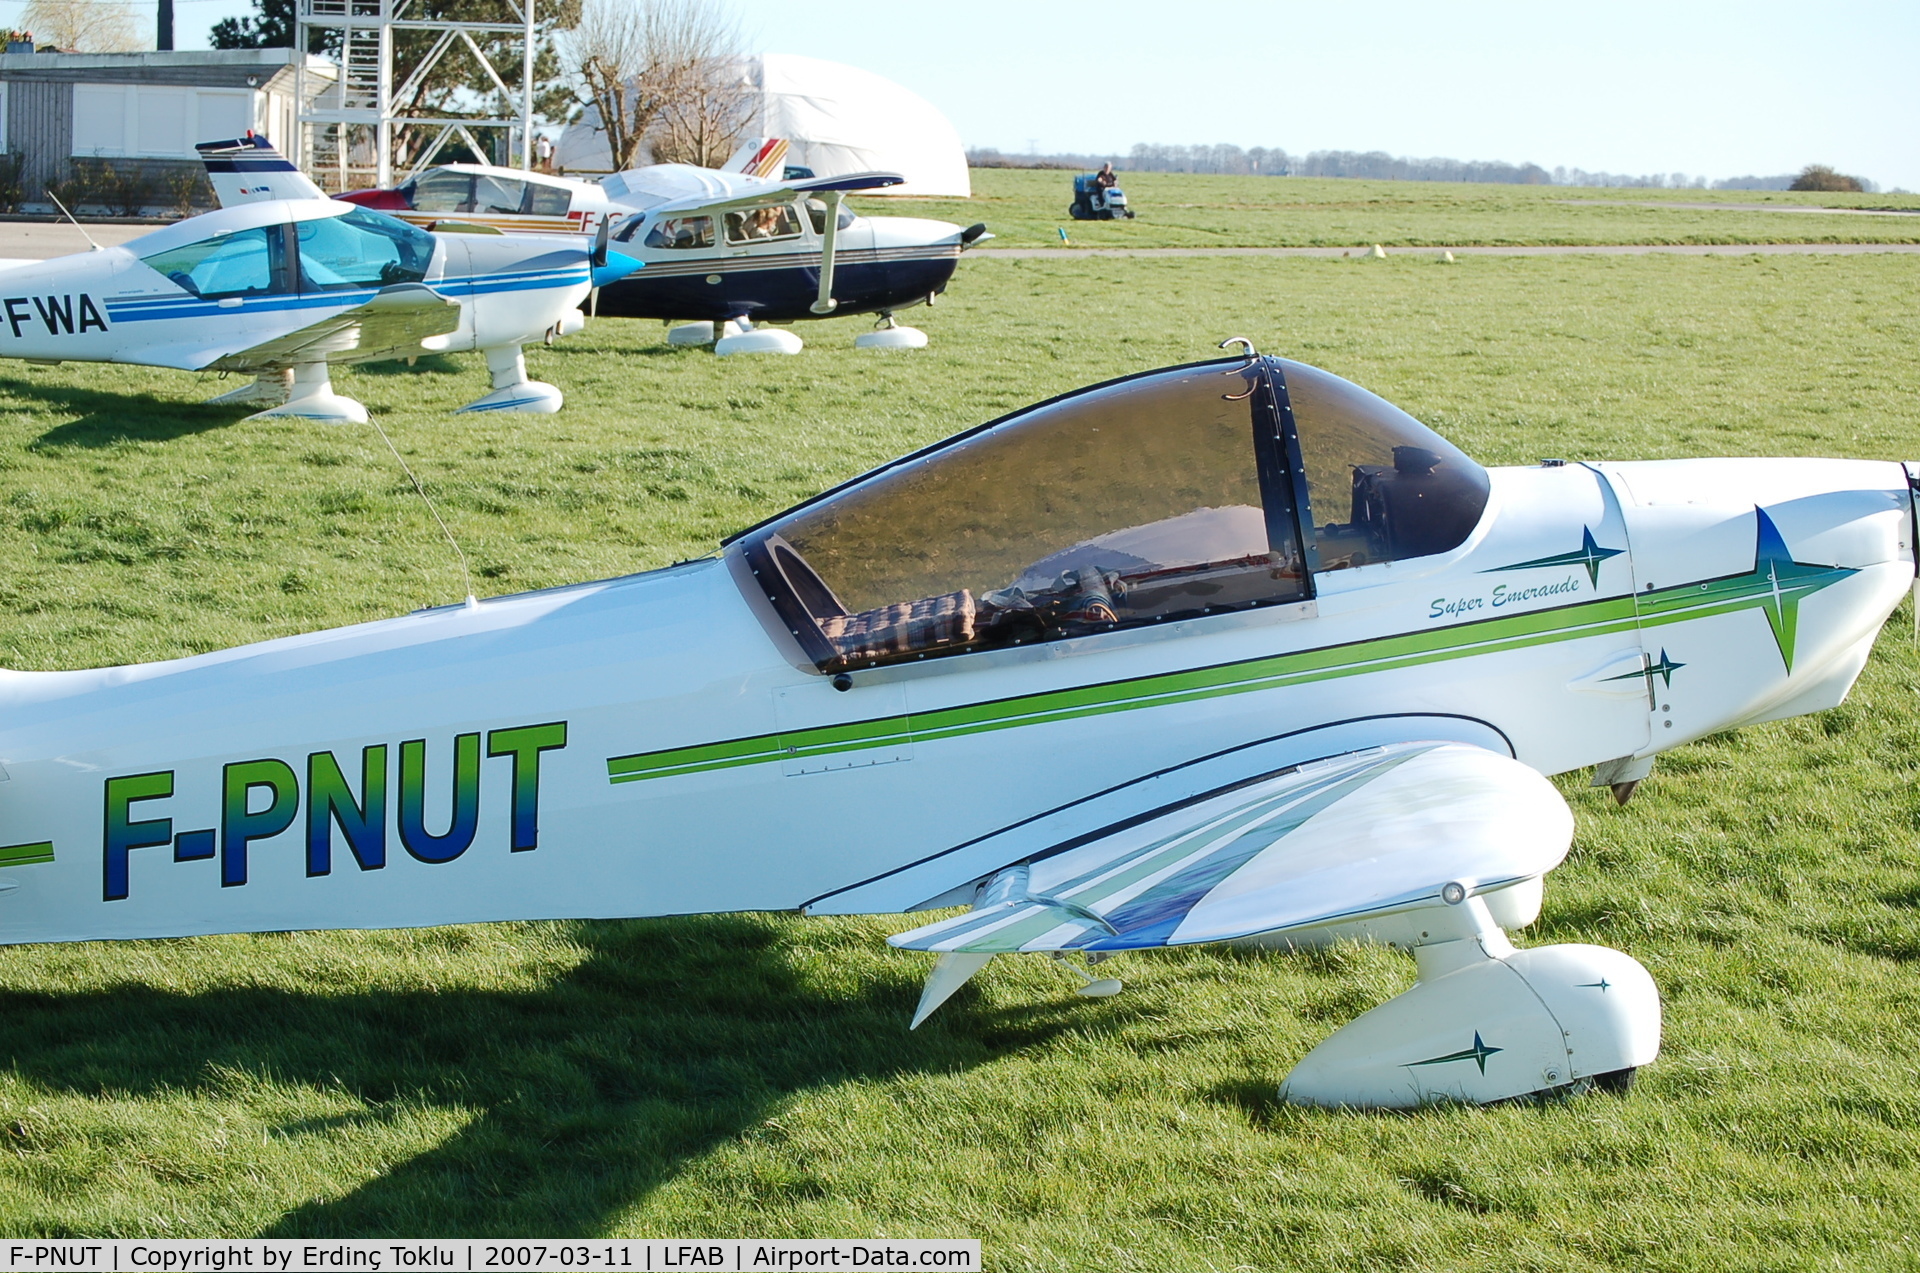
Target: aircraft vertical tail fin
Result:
[[762, 157], [248, 169]]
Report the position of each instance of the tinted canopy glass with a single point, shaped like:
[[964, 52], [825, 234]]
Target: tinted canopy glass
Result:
[[246, 263], [361, 249], [1381, 485], [1128, 504]]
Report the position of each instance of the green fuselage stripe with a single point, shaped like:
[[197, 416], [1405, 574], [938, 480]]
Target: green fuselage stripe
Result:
[[26, 854], [1600, 617]]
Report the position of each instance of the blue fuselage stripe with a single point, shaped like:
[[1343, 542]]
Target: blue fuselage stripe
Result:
[[136, 311]]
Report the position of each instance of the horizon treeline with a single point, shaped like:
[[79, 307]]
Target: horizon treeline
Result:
[[1375, 165]]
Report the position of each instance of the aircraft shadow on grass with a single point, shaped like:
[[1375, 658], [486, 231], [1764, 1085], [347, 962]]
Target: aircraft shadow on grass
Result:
[[104, 418], [425, 365], [594, 1089]]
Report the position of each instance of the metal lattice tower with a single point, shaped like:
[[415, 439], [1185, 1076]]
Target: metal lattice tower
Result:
[[344, 134]]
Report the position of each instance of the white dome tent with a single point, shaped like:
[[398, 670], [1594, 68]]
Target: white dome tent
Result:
[[837, 118]]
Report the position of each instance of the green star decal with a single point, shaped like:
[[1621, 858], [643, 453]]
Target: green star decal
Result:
[[1775, 586], [1787, 582], [1478, 1054], [1664, 669], [1589, 555]]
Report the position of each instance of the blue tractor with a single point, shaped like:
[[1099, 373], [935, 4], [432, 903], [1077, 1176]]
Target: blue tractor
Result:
[[1092, 203]]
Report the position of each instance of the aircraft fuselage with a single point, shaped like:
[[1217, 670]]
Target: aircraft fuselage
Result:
[[774, 292], [655, 745]]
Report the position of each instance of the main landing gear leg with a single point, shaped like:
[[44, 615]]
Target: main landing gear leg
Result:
[[311, 397], [890, 335], [512, 391]]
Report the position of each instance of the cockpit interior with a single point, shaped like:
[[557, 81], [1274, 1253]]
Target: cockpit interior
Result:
[[356, 249], [1176, 494]]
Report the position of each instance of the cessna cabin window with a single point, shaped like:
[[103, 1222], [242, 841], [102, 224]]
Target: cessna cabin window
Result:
[[495, 195], [245, 263], [817, 213], [761, 225], [1129, 504], [1381, 485], [441, 191], [681, 232], [361, 249]]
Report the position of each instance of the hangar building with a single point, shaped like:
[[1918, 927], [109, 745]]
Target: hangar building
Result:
[[70, 117]]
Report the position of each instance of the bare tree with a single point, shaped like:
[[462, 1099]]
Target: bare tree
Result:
[[664, 67], [83, 26], [703, 122]]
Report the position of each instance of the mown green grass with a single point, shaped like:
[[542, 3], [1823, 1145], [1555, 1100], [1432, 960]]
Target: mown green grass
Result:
[[1026, 208], [753, 1074]]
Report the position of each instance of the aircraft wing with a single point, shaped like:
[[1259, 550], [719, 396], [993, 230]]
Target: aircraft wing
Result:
[[1344, 841], [390, 324], [776, 192]]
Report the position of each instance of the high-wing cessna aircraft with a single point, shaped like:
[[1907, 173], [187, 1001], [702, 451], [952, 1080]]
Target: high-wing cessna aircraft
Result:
[[747, 250], [725, 250], [1232, 652], [281, 288]]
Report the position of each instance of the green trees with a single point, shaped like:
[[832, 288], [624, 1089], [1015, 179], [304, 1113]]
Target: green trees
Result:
[[1821, 177], [456, 86]]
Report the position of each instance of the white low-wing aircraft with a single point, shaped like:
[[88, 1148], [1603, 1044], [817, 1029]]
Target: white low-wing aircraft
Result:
[[1233, 652], [284, 287]]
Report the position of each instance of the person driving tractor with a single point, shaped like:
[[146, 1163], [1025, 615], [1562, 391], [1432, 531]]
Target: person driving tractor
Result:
[[1097, 196]]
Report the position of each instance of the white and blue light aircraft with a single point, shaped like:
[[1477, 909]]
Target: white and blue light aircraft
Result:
[[1235, 652], [283, 288]]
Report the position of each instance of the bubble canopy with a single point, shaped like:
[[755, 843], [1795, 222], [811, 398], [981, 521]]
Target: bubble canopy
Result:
[[1175, 494]]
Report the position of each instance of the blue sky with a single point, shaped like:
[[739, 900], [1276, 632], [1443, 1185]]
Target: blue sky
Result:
[[1625, 86]]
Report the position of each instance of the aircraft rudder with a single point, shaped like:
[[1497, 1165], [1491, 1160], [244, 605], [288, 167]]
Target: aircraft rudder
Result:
[[248, 169]]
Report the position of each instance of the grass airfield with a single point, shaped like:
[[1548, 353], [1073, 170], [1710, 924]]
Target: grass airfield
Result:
[[1027, 209], [752, 1074]]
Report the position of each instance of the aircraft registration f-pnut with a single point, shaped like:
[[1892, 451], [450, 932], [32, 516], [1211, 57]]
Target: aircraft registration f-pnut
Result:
[[1232, 652]]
